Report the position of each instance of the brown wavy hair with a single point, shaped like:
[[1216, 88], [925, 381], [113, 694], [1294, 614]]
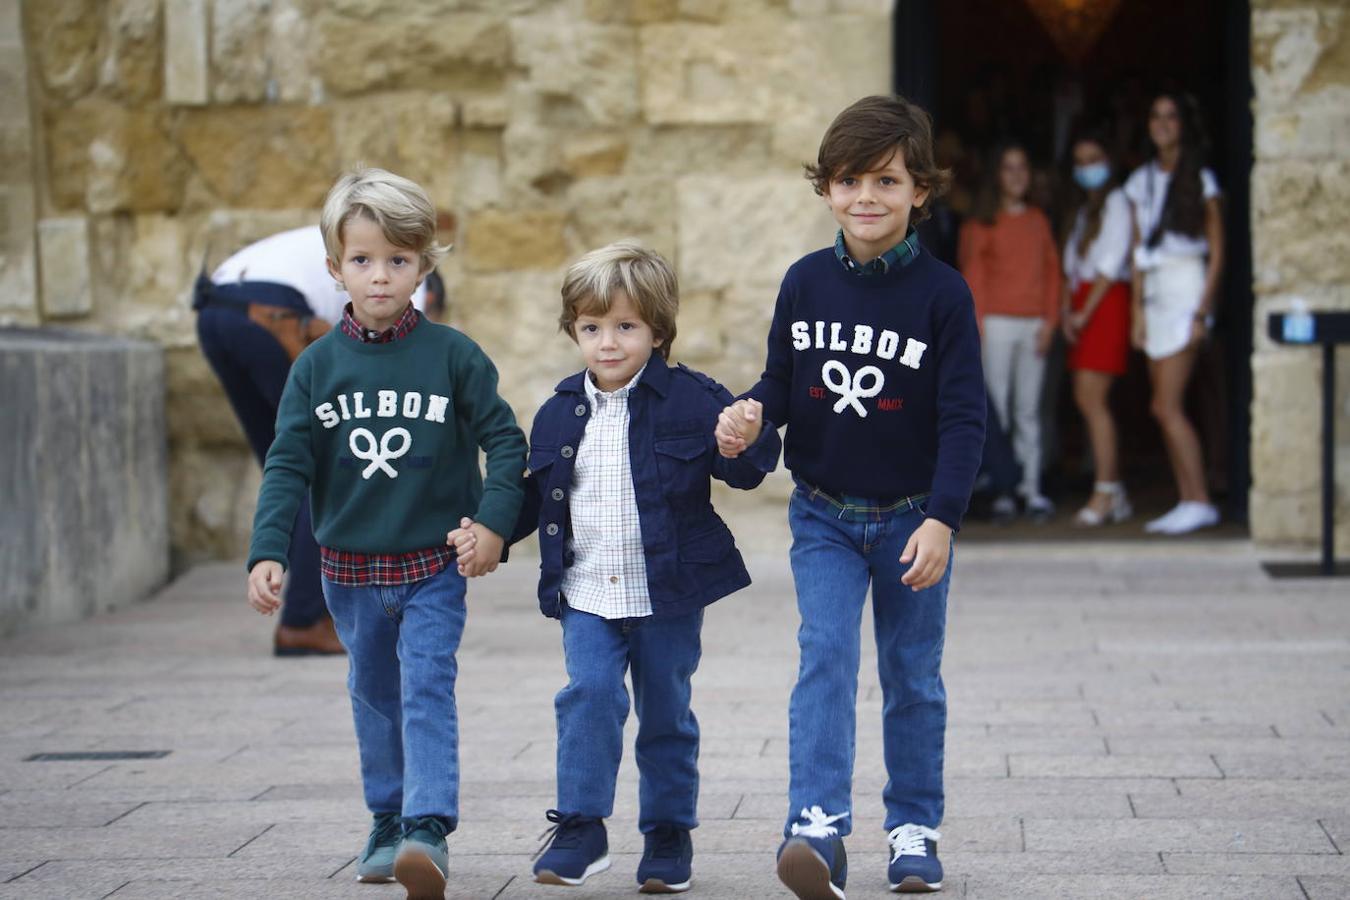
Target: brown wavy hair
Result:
[[1183, 209], [863, 137]]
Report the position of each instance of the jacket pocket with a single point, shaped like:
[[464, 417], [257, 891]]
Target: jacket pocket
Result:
[[709, 546], [682, 464], [539, 460]]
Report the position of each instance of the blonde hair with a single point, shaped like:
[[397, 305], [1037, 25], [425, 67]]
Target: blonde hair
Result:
[[642, 274], [400, 207]]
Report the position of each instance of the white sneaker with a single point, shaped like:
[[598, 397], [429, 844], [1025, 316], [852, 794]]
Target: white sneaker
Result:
[[1192, 517], [1163, 522]]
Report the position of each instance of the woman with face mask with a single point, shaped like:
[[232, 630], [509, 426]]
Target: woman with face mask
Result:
[[1095, 316]]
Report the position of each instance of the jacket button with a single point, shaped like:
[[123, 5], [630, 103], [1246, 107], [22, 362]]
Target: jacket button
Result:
[[614, 579], [557, 494], [581, 409], [552, 528], [566, 452]]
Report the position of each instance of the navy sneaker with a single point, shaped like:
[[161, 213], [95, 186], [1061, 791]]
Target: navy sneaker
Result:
[[667, 857], [579, 849], [914, 867], [812, 862], [423, 861], [376, 863]]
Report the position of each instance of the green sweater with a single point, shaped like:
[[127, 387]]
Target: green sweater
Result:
[[386, 436]]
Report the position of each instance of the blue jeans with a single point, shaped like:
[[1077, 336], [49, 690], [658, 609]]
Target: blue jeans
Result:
[[401, 642], [836, 551], [663, 654], [252, 369]]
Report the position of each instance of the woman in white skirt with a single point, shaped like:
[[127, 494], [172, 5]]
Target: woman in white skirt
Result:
[[1178, 260]]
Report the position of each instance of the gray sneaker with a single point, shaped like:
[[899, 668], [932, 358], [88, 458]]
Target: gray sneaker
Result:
[[376, 863], [423, 862]]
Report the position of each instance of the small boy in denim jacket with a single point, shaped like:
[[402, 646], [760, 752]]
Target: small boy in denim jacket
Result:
[[618, 485]]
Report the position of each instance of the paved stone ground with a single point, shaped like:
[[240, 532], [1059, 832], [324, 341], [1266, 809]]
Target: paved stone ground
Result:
[[1125, 720]]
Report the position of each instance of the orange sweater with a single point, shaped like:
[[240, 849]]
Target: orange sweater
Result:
[[1012, 266]]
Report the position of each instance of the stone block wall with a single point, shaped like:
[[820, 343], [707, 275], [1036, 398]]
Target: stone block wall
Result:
[[169, 131], [83, 456], [1301, 249]]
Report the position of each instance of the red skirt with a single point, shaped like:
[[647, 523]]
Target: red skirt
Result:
[[1104, 343]]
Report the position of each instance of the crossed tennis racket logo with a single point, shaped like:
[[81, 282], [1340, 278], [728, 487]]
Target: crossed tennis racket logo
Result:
[[364, 446]]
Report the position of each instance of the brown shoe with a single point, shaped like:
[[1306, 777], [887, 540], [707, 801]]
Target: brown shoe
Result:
[[319, 639]]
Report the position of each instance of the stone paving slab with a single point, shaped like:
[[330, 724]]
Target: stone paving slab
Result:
[[1319, 864], [1318, 887], [1143, 720], [1137, 887]]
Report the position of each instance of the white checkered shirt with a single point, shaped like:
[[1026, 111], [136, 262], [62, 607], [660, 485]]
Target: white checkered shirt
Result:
[[608, 575]]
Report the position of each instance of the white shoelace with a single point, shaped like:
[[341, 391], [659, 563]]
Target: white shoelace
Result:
[[817, 823], [908, 840]]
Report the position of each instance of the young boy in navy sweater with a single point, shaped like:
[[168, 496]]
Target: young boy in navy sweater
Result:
[[874, 367], [381, 420], [631, 552]]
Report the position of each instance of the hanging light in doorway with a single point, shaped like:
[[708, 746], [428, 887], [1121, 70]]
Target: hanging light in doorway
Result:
[[1074, 25]]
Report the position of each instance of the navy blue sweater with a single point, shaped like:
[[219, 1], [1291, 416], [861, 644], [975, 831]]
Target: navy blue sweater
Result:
[[878, 379]]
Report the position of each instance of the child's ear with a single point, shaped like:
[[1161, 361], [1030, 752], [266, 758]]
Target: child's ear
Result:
[[921, 195], [332, 269]]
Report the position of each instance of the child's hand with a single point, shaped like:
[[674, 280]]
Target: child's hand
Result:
[[264, 586], [928, 548], [464, 541], [478, 548], [1138, 335], [738, 427]]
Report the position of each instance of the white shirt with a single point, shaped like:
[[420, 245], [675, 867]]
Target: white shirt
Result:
[[608, 575], [1109, 253], [296, 258], [1147, 190]]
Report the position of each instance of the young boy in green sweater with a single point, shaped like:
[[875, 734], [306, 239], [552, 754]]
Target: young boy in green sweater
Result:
[[382, 419]]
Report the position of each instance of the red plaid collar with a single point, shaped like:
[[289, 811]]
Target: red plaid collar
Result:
[[400, 329]]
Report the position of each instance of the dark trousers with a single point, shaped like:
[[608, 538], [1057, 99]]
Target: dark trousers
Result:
[[999, 464], [252, 368]]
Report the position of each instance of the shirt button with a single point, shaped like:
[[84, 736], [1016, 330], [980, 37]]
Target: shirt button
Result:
[[566, 452], [552, 528], [581, 409], [557, 494], [614, 579]]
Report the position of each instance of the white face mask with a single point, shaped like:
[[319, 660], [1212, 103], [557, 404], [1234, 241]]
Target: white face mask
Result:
[[1093, 176]]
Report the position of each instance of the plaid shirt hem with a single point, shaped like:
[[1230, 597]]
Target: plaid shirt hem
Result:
[[899, 256], [358, 332], [360, 569]]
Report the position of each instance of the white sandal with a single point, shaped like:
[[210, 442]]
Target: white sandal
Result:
[[1119, 511]]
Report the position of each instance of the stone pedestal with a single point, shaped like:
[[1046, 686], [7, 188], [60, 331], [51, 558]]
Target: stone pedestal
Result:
[[84, 523]]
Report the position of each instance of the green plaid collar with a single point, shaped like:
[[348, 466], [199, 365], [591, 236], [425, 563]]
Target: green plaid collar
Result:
[[899, 256]]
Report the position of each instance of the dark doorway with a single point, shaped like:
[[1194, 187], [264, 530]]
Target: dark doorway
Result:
[[992, 69]]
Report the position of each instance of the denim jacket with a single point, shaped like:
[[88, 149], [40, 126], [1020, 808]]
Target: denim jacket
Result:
[[691, 556]]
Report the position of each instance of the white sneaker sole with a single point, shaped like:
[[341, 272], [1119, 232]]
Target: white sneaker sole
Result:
[[657, 886], [804, 872], [913, 884], [548, 876]]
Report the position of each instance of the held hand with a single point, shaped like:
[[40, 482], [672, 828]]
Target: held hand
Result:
[[1198, 333], [733, 431], [487, 552], [464, 541], [264, 586], [1138, 335], [1044, 336], [928, 549], [1067, 326]]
